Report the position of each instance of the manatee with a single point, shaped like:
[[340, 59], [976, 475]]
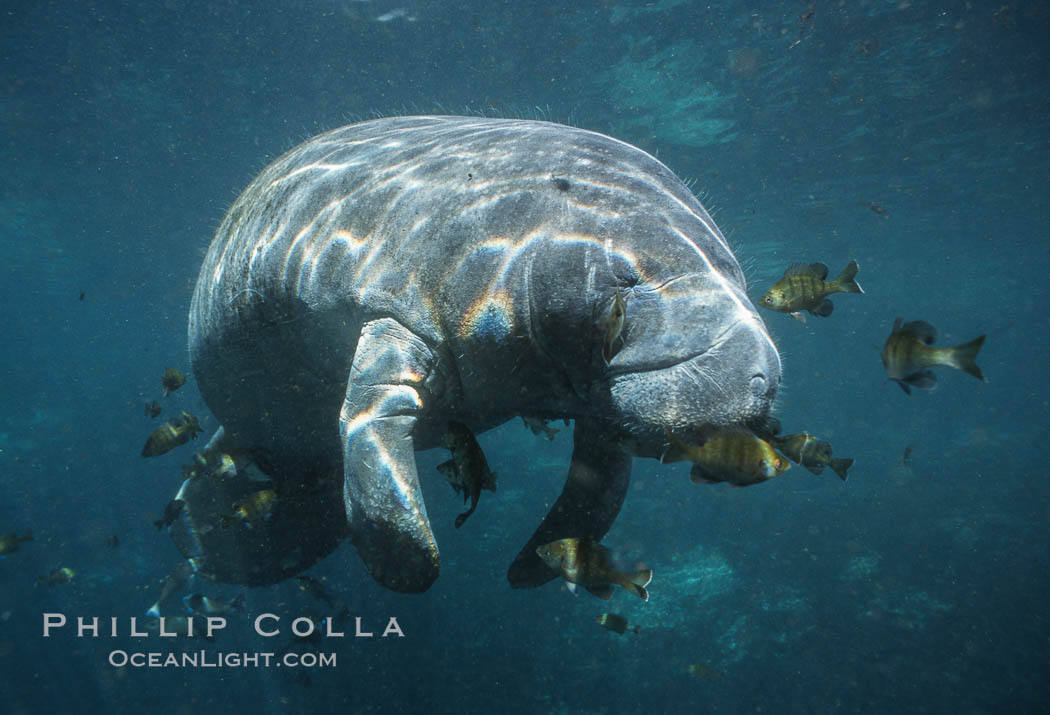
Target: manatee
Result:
[[388, 277]]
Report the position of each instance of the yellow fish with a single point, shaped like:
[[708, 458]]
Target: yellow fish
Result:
[[803, 288], [172, 380], [812, 453], [590, 565], [729, 454], [172, 434], [907, 355], [255, 507], [9, 542], [616, 624]]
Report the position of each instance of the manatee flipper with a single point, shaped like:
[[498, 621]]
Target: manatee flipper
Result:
[[599, 475], [384, 504]]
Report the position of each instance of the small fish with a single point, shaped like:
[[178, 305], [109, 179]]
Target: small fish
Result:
[[728, 454], [225, 467], [539, 426], [468, 470], [57, 576], [614, 321], [812, 453], [803, 288], [906, 457], [171, 435], [212, 463], [113, 542], [200, 605], [257, 506], [877, 209], [907, 355], [396, 14], [81, 295], [171, 513], [703, 671], [316, 589], [175, 581], [196, 468], [9, 542], [172, 380], [616, 624], [590, 565], [803, 26], [154, 409]]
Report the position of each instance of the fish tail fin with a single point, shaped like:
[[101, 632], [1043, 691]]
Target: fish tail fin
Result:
[[640, 592], [637, 582], [847, 280], [841, 467], [28, 536], [964, 357], [154, 610], [636, 629], [237, 604]]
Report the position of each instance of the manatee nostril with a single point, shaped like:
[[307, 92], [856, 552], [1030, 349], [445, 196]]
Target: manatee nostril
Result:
[[758, 384]]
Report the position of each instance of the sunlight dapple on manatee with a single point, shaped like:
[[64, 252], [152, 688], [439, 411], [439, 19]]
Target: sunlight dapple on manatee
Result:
[[387, 277]]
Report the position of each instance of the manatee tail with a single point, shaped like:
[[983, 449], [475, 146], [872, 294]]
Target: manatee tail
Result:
[[964, 357], [636, 583], [840, 467], [846, 282]]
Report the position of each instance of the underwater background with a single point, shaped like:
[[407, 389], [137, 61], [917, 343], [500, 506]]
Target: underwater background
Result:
[[909, 136]]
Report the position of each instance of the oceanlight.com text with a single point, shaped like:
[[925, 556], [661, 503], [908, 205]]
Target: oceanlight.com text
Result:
[[204, 659]]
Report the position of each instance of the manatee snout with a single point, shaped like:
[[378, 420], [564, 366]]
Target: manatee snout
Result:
[[750, 359], [734, 381]]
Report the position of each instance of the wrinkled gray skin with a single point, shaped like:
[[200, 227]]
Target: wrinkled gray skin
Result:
[[389, 276]]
